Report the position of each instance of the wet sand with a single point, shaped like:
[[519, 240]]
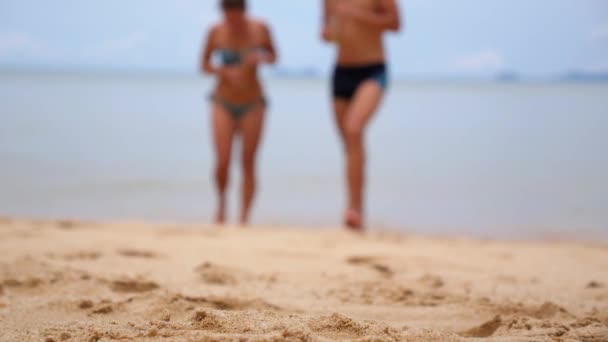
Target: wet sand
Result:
[[78, 281]]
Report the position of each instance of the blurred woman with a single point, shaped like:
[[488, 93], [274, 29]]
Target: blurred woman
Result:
[[359, 81], [237, 103]]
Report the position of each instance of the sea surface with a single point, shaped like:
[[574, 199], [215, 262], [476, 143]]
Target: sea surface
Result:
[[482, 159]]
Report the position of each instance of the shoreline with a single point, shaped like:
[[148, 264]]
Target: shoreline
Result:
[[590, 237]]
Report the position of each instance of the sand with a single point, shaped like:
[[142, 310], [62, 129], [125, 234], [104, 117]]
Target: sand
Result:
[[78, 281]]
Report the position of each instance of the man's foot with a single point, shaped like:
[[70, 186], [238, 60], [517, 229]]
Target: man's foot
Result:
[[220, 219], [353, 220]]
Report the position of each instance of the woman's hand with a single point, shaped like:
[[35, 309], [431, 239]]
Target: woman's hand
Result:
[[256, 57]]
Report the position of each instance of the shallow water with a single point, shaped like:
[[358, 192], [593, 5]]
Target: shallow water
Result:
[[483, 159]]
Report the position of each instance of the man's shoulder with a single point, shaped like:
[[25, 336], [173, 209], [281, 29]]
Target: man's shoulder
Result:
[[259, 24], [368, 4]]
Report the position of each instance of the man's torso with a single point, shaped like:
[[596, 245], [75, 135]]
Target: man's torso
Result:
[[357, 42]]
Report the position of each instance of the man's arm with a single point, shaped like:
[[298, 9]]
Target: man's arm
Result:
[[325, 32], [386, 19]]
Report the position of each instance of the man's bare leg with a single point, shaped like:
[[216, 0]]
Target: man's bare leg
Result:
[[360, 110]]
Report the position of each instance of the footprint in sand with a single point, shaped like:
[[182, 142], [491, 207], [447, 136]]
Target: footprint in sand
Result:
[[29, 283], [228, 303], [487, 329], [594, 285], [2, 305], [165, 316], [337, 323], [371, 262], [392, 293], [82, 255], [295, 333], [29, 274], [214, 274], [545, 311], [549, 310], [207, 320], [68, 224], [217, 275], [133, 286], [603, 316], [103, 310], [550, 328], [432, 281], [104, 307], [585, 322], [85, 304], [64, 336], [349, 329], [135, 253]]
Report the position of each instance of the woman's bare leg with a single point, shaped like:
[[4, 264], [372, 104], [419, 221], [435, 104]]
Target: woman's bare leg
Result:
[[223, 132], [360, 110], [251, 126]]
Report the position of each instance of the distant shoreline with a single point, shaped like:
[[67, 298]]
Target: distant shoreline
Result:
[[563, 79]]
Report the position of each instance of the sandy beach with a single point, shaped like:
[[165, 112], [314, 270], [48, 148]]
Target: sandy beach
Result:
[[78, 281]]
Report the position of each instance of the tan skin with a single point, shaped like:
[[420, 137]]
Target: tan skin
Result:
[[240, 85], [357, 28]]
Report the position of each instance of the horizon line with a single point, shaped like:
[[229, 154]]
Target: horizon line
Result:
[[308, 73]]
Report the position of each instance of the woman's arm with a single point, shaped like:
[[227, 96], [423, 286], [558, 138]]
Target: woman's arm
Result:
[[205, 62], [386, 19], [271, 53], [265, 52]]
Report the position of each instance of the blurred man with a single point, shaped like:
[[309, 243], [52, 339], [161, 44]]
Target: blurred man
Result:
[[359, 81]]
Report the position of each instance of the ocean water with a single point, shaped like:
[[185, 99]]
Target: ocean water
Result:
[[478, 159]]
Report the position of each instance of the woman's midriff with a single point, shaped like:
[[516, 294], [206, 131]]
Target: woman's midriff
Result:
[[248, 89]]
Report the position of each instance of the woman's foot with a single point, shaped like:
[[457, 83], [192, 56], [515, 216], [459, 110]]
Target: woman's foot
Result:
[[220, 215], [244, 220], [353, 220]]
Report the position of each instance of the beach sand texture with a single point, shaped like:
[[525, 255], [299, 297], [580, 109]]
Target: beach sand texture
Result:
[[78, 281]]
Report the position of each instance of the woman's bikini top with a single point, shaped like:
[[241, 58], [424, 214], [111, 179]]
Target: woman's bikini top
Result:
[[231, 57]]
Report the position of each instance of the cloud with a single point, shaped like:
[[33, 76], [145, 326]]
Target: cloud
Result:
[[488, 60], [115, 47], [594, 68], [600, 34], [20, 44]]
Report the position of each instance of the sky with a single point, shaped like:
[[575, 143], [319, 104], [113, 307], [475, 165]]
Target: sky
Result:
[[536, 38]]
